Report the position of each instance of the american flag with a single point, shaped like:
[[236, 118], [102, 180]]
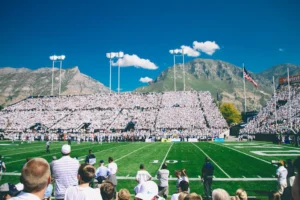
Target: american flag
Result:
[[249, 78]]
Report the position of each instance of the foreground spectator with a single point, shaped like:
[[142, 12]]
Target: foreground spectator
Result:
[[220, 194], [35, 177], [123, 194], [163, 184], [183, 187], [8, 190], [192, 196], [64, 172], [142, 175], [107, 190], [86, 173], [148, 191], [240, 194], [281, 175], [113, 168]]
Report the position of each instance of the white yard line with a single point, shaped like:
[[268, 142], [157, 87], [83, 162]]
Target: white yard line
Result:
[[165, 156], [212, 160], [174, 179], [243, 153]]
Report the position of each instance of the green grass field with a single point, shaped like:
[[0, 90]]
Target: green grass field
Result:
[[237, 164]]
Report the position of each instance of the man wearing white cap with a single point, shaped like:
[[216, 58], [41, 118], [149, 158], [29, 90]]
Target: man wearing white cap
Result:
[[64, 171], [148, 191]]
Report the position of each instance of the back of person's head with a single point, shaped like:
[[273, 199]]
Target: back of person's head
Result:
[[274, 196], [184, 186], [178, 173], [192, 196], [183, 172], [182, 195], [241, 194], [220, 194], [207, 159], [110, 159], [107, 190], [123, 194], [35, 175], [164, 166], [86, 172], [142, 166]]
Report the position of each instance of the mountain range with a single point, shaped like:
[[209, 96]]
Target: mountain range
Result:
[[222, 79]]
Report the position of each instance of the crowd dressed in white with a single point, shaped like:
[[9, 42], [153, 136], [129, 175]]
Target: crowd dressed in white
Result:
[[277, 110], [192, 112]]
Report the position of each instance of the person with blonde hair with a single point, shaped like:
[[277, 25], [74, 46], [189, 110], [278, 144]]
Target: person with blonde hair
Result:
[[179, 179], [35, 177], [123, 194], [240, 194], [192, 196], [220, 194], [86, 173]]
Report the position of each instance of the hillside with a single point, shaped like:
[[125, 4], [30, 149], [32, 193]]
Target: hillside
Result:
[[18, 83], [223, 80]]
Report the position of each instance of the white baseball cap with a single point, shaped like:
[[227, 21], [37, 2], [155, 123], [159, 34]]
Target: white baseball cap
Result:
[[66, 149], [147, 191]]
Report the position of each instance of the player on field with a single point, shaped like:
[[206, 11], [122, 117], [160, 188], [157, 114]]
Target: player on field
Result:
[[47, 147], [207, 177], [2, 167]]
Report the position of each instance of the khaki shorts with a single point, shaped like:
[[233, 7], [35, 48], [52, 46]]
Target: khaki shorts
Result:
[[280, 187]]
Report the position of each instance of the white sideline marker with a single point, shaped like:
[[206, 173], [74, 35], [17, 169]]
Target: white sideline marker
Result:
[[243, 153], [211, 160]]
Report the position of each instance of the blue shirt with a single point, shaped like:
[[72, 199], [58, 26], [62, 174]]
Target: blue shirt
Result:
[[102, 171]]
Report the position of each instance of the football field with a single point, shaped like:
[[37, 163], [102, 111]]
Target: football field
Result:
[[237, 164]]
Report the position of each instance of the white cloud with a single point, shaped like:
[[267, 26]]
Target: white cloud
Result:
[[207, 47], [190, 51], [146, 79], [280, 49], [134, 60]]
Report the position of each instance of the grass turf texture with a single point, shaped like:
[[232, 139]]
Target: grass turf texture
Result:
[[231, 160]]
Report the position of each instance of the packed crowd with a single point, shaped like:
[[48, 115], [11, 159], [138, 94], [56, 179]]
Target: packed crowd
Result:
[[194, 111], [265, 121], [67, 179]]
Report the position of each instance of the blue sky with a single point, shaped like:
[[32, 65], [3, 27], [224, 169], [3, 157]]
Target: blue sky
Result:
[[246, 31]]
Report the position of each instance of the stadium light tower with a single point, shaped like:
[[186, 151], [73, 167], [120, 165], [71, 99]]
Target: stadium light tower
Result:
[[54, 59], [177, 52], [111, 56]]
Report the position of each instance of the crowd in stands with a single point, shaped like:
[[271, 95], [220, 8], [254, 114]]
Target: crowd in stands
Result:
[[67, 179], [192, 112], [278, 110]]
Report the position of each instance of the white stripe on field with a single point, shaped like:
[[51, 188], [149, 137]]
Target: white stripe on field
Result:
[[212, 160], [174, 179], [243, 153], [165, 156]]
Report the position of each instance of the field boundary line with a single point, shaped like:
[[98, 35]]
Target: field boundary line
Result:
[[243, 153], [211, 160], [165, 156], [173, 179]]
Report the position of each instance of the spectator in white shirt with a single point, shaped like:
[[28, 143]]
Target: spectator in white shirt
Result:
[[64, 172], [86, 173], [141, 177], [35, 177], [113, 168], [281, 174]]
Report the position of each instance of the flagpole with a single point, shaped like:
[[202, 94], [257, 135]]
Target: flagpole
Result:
[[275, 102], [289, 86], [244, 89]]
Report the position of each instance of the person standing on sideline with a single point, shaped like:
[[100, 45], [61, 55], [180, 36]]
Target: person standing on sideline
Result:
[[90, 158], [48, 146], [86, 173], [102, 172], [113, 168], [207, 177], [2, 167], [64, 171], [163, 178], [141, 177], [281, 175], [179, 179]]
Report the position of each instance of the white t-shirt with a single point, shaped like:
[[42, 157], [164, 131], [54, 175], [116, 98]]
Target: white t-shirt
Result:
[[175, 196], [282, 172], [143, 176], [113, 167], [82, 193]]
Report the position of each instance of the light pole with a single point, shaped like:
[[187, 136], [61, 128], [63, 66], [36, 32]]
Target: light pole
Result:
[[54, 59], [111, 56], [175, 52]]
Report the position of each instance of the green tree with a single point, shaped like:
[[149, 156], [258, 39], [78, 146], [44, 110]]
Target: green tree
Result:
[[230, 113]]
